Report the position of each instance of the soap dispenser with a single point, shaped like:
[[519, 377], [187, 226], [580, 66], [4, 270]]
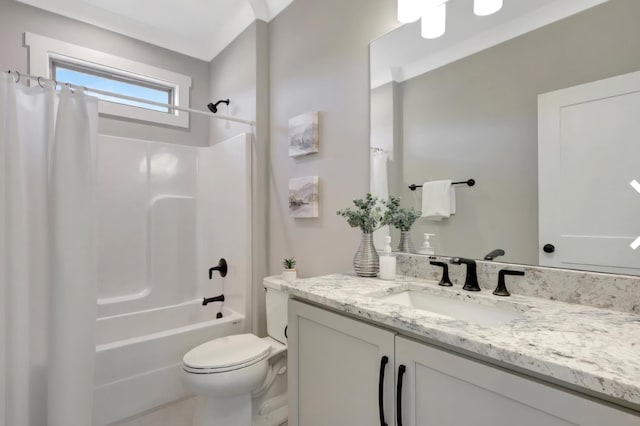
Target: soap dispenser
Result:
[[387, 262], [426, 245]]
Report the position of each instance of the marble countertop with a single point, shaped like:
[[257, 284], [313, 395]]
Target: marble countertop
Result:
[[594, 349]]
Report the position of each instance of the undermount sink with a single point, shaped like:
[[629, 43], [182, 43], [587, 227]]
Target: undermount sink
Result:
[[452, 308]]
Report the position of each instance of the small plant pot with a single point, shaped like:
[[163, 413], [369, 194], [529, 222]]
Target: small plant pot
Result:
[[289, 274]]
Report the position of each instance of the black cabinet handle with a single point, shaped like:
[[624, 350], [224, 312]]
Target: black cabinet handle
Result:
[[383, 364], [401, 370], [549, 248]]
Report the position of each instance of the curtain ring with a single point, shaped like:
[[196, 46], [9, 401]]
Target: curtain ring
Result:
[[18, 76], [39, 82]]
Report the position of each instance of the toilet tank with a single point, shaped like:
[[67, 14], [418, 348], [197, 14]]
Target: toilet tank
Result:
[[276, 311]]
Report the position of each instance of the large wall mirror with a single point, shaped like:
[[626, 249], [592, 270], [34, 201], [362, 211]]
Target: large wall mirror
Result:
[[551, 170]]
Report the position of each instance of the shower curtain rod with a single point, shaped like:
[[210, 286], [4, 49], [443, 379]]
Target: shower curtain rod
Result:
[[40, 80]]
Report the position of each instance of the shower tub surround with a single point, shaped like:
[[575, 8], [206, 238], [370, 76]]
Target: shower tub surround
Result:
[[589, 349], [166, 215]]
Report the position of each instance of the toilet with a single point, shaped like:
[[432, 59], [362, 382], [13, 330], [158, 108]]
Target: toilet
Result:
[[236, 376]]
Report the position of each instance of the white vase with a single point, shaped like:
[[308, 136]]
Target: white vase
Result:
[[289, 274]]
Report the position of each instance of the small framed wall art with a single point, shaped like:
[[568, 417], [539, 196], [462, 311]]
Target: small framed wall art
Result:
[[303, 197], [303, 135]]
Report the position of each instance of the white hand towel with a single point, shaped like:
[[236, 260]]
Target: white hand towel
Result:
[[438, 200]]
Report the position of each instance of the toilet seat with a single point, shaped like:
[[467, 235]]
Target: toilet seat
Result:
[[226, 354]]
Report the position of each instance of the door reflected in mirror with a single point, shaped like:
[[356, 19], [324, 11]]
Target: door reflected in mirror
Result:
[[553, 172]]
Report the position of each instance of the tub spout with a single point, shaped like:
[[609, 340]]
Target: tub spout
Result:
[[207, 300], [493, 254]]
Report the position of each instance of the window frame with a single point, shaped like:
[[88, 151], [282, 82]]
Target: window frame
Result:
[[44, 51]]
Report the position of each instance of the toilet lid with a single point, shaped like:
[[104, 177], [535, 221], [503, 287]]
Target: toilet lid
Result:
[[226, 352]]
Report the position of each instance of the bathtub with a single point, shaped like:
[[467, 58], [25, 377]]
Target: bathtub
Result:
[[139, 355]]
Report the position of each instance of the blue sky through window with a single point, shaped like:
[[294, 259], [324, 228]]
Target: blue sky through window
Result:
[[110, 85]]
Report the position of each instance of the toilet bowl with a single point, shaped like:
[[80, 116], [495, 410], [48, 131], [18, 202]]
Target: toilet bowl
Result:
[[234, 374]]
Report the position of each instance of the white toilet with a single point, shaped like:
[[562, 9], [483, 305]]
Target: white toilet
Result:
[[233, 374]]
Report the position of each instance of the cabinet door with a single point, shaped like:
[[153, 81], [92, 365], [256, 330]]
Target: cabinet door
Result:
[[334, 369], [443, 389]]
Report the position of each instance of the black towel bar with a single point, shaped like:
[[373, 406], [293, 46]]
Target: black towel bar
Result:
[[470, 182]]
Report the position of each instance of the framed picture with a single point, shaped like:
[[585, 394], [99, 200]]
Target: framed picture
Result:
[[303, 197], [303, 134]]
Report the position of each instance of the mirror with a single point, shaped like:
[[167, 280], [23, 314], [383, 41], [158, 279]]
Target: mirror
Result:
[[465, 106]]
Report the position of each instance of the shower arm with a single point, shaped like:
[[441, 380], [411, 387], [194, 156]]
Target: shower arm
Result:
[[214, 107]]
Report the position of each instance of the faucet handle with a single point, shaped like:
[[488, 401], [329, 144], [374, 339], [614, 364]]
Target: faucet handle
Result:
[[445, 281], [221, 268], [501, 289]]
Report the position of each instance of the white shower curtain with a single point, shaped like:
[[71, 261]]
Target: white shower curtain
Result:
[[379, 188], [48, 263]]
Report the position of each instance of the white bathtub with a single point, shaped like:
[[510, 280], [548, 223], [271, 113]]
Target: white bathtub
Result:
[[139, 355]]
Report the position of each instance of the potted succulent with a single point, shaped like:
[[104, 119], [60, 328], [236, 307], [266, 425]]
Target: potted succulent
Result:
[[367, 215], [289, 272], [401, 219]]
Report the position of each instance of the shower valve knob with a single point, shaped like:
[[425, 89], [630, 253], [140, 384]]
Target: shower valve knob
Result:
[[221, 268]]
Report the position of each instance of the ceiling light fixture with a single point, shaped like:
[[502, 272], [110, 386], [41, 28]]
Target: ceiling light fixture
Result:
[[434, 20], [434, 13], [486, 7], [410, 10]]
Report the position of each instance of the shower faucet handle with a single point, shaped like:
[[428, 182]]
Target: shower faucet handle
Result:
[[221, 268]]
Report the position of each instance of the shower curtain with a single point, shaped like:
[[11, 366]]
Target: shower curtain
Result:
[[379, 188], [48, 263]]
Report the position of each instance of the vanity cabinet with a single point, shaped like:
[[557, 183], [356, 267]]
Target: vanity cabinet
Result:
[[334, 379], [335, 369], [441, 388]]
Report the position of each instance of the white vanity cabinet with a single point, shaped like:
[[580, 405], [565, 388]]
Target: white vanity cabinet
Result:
[[334, 369], [444, 389], [334, 366]]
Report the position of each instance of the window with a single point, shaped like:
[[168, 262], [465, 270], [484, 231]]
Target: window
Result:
[[111, 82], [86, 67]]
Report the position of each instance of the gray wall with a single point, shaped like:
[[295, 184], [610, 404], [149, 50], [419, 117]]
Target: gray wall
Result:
[[17, 18], [319, 61], [477, 118], [241, 74]]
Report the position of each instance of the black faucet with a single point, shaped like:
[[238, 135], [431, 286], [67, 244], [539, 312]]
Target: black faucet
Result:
[[471, 280], [501, 289], [222, 268], [445, 281], [493, 254]]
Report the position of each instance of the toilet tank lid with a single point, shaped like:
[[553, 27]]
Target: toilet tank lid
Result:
[[227, 352], [274, 283]]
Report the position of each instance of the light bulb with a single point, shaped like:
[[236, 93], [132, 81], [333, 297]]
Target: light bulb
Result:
[[410, 10], [486, 7], [434, 20]]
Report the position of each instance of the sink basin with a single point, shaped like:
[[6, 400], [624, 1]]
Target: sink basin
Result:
[[452, 308]]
